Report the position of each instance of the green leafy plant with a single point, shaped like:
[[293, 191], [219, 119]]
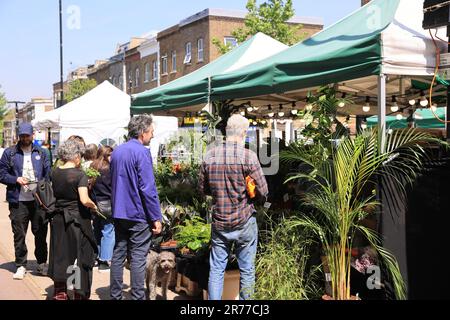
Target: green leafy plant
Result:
[[271, 18], [344, 195], [92, 173], [79, 87], [319, 116], [194, 234], [283, 271]]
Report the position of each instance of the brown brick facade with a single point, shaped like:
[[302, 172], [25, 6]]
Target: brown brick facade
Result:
[[203, 26], [151, 82], [175, 39]]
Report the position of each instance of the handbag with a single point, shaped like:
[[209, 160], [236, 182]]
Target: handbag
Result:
[[105, 208]]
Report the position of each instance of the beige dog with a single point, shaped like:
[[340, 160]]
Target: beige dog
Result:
[[159, 269]]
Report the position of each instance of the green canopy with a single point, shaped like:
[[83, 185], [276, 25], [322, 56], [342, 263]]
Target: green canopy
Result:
[[349, 49], [424, 119], [193, 88]]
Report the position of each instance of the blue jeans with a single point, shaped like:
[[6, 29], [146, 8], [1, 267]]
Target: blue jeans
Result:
[[105, 237], [135, 237], [245, 239]]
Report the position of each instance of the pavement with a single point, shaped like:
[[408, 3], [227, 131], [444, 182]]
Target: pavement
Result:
[[35, 286]]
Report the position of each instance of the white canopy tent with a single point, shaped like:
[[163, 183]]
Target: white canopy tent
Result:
[[102, 113]]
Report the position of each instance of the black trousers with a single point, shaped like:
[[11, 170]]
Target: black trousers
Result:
[[20, 215]]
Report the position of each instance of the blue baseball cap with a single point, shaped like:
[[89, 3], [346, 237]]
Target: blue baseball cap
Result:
[[26, 128]]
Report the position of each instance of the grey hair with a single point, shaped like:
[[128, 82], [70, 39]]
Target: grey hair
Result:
[[70, 150], [237, 125], [139, 125]]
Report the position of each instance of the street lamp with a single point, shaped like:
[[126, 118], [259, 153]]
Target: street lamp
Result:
[[61, 53], [17, 115]]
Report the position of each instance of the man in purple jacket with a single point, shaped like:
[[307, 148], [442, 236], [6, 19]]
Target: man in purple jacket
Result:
[[135, 206]]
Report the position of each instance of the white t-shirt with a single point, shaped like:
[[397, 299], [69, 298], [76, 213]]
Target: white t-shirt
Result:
[[26, 192]]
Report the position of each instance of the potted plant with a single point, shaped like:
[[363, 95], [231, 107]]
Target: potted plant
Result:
[[193, 236], [343, 195]]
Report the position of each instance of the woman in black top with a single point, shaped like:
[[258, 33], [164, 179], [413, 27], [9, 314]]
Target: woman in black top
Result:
[[101, 191], [72, 245]]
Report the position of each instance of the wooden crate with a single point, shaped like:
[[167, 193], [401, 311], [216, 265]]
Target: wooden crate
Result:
[[187, 285]]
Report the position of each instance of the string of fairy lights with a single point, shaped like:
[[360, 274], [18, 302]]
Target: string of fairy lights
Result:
[[283, 111]]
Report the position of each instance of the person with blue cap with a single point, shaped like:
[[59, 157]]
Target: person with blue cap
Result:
[[21, 166]]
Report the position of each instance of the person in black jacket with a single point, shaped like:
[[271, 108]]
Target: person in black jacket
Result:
[[101, 191], [21, 166]]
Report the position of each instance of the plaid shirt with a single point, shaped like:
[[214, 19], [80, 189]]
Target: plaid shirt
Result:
[[222, 175]]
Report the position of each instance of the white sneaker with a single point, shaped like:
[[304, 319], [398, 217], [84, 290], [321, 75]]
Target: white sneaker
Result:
[[20, 273], [42, 269]]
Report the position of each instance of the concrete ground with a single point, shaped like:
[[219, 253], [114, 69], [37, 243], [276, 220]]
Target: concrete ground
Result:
[[34, 286]]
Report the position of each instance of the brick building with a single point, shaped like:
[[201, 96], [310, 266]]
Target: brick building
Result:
[[188, 45], [157, 58]]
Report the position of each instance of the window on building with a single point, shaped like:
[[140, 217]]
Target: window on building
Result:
[[174, 61], [188, 56], [200, 50], [120, 82], [130, 79], [164, 65], [147, 72], [114, 81], [136, 81], [231, 41], [155, 70]]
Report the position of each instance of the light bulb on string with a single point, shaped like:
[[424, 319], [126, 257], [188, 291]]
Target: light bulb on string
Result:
[[270, 114], [294, 111], [412, 102], [243, 113], [394, 107], [366, 107], [423, 99], [341, 104], [255, 108], [399, 117], [281, 112], [249, 109], [434, 107]]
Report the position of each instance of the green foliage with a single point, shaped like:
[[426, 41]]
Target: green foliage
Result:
[[2, 105], [270, 18], [282, 269], [92, 173], [320, 117], [344, 195], [193, 234], [177, 185], [79, 87], [3, 112]]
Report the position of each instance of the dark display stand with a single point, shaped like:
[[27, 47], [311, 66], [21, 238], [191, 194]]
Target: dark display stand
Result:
[[416, 229]]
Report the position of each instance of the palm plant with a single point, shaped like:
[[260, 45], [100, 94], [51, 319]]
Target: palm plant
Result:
[[344, 194]]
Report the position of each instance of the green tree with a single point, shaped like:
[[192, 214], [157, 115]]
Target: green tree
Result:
[[79, 87], [3, 109], [270, 18], [3, 112]]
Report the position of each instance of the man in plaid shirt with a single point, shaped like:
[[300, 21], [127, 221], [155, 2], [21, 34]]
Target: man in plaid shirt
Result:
[[223, 176]]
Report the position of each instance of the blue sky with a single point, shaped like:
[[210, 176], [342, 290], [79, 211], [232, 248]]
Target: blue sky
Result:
[[29, 33]]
